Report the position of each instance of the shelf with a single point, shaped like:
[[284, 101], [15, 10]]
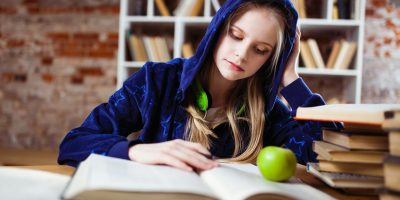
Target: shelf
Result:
[[340, 83], [327, 72], [131, 64], [328, 22]]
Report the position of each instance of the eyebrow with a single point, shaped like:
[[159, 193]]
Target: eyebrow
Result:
[[266, 43]]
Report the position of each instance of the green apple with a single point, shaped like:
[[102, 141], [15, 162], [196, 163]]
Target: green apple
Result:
[[276, 163]]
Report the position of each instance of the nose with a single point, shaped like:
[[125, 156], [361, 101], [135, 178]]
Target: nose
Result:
[[242, 50]]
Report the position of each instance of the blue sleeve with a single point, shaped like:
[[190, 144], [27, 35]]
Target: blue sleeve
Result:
[[289, 133], [105, 129]]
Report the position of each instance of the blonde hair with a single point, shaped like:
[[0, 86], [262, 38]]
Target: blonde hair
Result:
[[198, 129]]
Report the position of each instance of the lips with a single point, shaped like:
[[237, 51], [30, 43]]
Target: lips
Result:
[[235, 67]]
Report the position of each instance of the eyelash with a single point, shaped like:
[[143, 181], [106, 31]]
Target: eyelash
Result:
[[258, 51]]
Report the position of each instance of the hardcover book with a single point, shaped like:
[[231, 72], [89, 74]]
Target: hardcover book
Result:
[[101, 177]]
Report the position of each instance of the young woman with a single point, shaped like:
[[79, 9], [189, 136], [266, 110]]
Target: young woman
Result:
[[221, 102]]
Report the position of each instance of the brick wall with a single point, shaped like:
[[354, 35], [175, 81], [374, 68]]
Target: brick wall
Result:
[[58, 61], [381, 73]]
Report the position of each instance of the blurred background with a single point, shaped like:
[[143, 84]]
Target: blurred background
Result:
[[58, 60]]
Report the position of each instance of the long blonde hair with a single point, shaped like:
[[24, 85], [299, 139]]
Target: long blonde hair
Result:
[[198, 128]]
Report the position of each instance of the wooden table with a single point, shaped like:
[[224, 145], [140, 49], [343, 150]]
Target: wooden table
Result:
[[300, 173]]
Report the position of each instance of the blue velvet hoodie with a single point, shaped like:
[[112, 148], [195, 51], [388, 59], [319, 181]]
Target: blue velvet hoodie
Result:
[[150, 101]]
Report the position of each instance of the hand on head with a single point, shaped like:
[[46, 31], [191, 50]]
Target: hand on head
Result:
[[290, 73], [177, 153]]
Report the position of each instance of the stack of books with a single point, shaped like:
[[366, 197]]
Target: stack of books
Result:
[[391, 168], [365, 155]]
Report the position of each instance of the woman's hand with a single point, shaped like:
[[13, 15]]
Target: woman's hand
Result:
[[290, 73], [177, 153]]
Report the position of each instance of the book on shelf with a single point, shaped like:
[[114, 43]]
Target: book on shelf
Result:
[[343, 9], [333, 55], [335, 10], [189, 8], [187, 50], [360, 141], [137, 48], [300, 7], [315, 52], [151, 49], [162, 7], [391, 170], [331, 152], [306, 55], [345, 55], [161, 45], [197, 8], [345, 180], [107, 177], [394, 143], [370, 169], [385, 116]]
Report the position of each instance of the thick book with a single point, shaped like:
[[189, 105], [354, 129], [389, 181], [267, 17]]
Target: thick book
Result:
[[331, 152], [162, 8], [359, 141], [391, 170], [370, 169], [394, 143], [333, 55], [345, 180], [386, 116], [306, 56], [101, 177], [315, 52]]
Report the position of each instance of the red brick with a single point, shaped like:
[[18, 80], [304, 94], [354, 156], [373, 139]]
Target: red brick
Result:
[[47, 61], [76, 79], [101, 53], [7, 76], [95, 71], [387, 40], [379, 3], [112, 36], [58, 36], [30, 2], [389, 24], [15, 43], [48, 78], [369, 12], [8, 10], [86, 36]]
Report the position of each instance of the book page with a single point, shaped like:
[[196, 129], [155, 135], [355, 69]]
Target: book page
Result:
[[234, 182], [123, 175], [17, 183]]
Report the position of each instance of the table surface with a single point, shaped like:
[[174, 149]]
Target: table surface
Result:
[[301, 173]]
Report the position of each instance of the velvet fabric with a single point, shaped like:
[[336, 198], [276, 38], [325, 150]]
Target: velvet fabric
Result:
[[151, 101]]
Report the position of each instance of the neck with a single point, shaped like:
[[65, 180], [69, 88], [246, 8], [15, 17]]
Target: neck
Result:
[[219, 88]]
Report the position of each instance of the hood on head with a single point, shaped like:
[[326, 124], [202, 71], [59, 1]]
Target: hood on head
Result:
[[192, 65]]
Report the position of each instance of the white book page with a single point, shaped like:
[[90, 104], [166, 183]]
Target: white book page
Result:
[[123, 175], [17, 183], [240, 182]]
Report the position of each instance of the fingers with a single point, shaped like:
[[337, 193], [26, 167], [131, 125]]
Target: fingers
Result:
[[185, 155]]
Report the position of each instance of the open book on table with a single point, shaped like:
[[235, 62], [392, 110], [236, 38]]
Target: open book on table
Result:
[[101, 177]]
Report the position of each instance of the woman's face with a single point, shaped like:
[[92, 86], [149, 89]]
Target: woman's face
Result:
[[246, 45]]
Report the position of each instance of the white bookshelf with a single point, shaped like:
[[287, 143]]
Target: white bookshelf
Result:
[[179, 27]]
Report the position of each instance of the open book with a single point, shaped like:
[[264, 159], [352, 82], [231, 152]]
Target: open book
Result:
[[101, 177]]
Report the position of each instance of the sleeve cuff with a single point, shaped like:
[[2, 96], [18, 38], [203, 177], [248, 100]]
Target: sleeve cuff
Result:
[[120, 149], [296, 93]]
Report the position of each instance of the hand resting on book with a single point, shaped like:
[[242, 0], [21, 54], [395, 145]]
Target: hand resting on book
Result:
[[178, 153]]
